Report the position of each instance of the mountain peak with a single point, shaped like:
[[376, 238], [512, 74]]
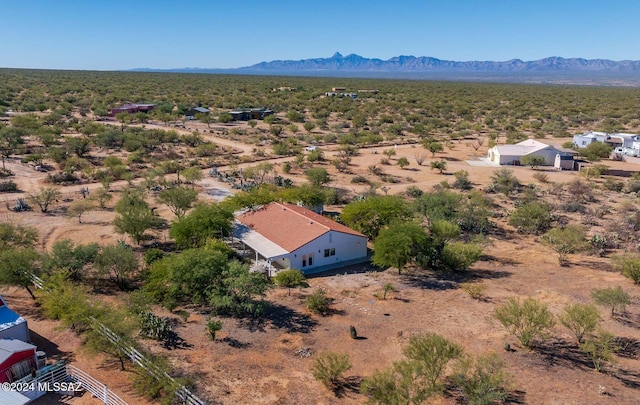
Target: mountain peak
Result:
[[336, 55]]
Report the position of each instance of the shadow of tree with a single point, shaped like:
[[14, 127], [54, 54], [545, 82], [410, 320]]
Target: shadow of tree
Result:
[[282, 317], [632, 321], [235, 343], [51, 349], [349, 386], [627, 347], [559, 352], [629, 378], [433, 280], [516, 397]]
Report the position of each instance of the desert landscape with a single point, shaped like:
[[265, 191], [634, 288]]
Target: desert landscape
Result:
[[428, 154]]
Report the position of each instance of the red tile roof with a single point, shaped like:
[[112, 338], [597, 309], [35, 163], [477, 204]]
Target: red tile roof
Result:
[[290, 226]]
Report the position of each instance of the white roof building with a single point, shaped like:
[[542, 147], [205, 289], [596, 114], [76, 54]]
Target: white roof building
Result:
[[512, 154]]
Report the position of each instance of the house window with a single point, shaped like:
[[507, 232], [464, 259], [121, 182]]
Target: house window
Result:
[[584, 143], [311, 260], [329, 252], [304, 260]]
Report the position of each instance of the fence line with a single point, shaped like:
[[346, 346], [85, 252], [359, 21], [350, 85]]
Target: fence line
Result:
[[65, 373], [182, 392], [95, 387]]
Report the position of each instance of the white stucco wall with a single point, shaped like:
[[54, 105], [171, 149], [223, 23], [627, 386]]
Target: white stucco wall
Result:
[[549, 155], [347, 247]]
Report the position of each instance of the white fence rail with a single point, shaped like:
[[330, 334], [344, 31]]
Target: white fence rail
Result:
[[95, 387], [182, 392]]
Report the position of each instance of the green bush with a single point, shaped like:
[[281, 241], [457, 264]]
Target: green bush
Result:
[[8, 186], [581, 319], [329, 367], [483, 381], [616, 298], [212, 327], [526, 320], [475, 290], [460, 255], [533, 217], [628, 265], [153, 254], [318, 302], [600, 348]]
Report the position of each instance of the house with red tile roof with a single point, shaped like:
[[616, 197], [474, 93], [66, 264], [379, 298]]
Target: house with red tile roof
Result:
[[290, 236]]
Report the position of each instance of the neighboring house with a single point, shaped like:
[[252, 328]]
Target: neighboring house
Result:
[[131, 109], [623, 140], [191, 113], [12, 325], [17, 359], [247, 114], [512, 154], [584, 140], [290, 236]]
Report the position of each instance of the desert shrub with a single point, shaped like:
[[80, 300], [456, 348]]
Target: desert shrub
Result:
[[612, 184], [581, 319], [600, 348], [413, 192], [505, 182], [541, 177], [628, 265], [316, 155], [633, 185], [615, 298], [318, 302], [8, 186], [61, 178], [329, 367], [566, 240], [580, 191], [359, 180], [526, 320], [460, 255], [417, 378], [153, 254], [475, 290], [483, 381], [573, 206], [462, 181], [289, 279], [533, 217], [212, 327]]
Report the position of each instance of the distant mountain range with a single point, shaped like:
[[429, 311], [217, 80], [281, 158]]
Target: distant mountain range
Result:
[[552, 69]]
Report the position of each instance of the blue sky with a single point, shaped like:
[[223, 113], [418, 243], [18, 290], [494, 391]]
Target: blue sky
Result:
[[116, 34]]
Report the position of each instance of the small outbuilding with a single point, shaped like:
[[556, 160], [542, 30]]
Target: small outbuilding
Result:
[[290, 236], [191, 113], [17, 359], [246, 114], [12, 325]]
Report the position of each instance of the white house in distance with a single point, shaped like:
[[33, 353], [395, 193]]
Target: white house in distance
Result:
[[584, 140], [512, 154], [289, 236]]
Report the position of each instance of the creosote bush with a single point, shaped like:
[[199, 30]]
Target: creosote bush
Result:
[[329, 367], [527, 320], [318, 302]]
